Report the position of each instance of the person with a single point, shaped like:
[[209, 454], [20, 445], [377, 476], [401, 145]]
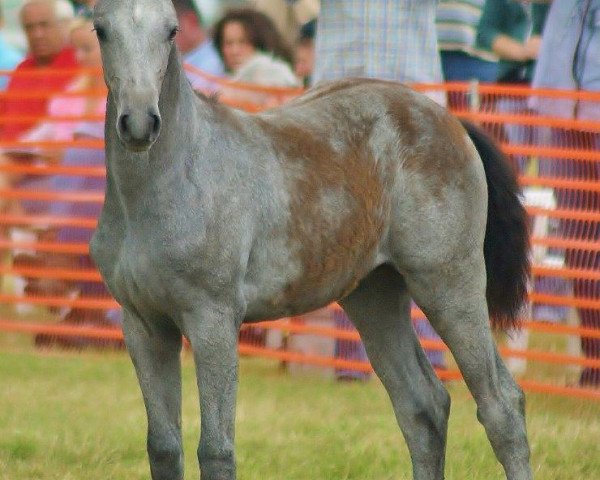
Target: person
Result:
[[288, 17], [511, 29], [10, 57], [568, 59], [304, 54], [252, 49], [45, 24], [389, 40], [462, 61], [87, 52], [196, 46], [456, 22]]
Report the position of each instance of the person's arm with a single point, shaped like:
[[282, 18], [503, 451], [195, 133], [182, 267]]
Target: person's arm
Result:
[[539, 11], [509, 49], [491, 36]]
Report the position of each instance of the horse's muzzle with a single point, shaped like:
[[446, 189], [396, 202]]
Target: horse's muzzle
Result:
[[138, 130]]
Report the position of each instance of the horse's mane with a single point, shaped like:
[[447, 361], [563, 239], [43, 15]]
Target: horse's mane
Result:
[[212, 97]]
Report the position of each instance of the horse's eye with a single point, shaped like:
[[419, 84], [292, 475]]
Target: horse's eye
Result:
[[172, 33], [100, 33]]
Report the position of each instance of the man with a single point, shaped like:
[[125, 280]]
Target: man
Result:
[[195, 46], [388, 40], [569, 60], [45, 23]]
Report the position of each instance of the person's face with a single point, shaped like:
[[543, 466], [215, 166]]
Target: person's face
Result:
[[190, 33], [86, 46], [305, 60], [45, 34], [236, 46]]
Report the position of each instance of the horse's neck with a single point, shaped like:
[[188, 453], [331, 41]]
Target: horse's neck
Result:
[[177, 100]]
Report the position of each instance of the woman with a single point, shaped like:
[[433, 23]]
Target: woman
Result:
[[87, 51], [253, 51]]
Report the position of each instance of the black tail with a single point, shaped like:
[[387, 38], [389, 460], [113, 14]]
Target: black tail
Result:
[[506, 245]]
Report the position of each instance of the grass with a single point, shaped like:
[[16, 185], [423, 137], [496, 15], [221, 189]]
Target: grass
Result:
[[75, 416]]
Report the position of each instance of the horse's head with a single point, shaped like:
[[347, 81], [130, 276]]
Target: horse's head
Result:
[[136, 37]]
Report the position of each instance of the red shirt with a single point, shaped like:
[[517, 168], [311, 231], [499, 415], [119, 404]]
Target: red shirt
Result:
[[51, 83]]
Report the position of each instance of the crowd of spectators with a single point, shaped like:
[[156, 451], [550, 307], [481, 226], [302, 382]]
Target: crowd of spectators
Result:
[[295, 43]]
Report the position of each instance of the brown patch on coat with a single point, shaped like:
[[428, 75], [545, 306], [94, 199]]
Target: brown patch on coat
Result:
[[436, 142], [334, 253], [433, 140]]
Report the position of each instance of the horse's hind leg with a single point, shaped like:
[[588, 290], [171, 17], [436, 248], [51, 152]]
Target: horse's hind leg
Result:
[[453, 298], [380, 310], [155, 355]]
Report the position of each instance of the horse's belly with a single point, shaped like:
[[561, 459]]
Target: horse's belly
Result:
[[276, 295], [261, 307]]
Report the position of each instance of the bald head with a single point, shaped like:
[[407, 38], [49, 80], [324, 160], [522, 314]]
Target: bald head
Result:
[[45, 23]]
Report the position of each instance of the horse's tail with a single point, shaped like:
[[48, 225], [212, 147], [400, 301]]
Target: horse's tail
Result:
[[506, 245]]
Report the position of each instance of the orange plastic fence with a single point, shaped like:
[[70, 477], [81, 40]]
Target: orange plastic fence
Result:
[[558, 160]]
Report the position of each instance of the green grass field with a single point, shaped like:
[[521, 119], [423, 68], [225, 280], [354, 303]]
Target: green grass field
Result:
[[73, 416]]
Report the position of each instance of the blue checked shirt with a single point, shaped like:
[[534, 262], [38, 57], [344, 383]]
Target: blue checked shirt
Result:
[[385, 39]]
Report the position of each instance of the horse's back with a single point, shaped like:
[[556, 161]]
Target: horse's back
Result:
[[420, 153]]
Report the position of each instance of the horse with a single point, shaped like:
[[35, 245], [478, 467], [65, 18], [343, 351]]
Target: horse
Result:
[[360, 191]]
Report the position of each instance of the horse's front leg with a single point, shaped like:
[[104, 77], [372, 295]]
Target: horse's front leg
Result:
[[213, 333], [155, 351]]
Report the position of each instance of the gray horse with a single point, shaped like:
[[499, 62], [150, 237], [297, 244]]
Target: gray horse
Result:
[[360, 190]]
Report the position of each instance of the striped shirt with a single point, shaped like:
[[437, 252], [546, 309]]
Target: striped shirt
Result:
[[457, 22]]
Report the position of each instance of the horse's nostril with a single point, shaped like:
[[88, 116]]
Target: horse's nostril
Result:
[[139, 126], [123, 123], [155, 123]]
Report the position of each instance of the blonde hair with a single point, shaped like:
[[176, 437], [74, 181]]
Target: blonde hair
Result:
[[79, 22], [87, 80]]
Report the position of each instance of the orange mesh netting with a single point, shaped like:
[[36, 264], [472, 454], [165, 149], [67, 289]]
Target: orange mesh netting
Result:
[[51, 193]]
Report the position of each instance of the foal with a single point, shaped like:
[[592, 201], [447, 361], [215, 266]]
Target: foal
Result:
[[360, 191]]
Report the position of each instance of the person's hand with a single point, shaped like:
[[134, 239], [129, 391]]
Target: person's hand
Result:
[[532, 47]]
